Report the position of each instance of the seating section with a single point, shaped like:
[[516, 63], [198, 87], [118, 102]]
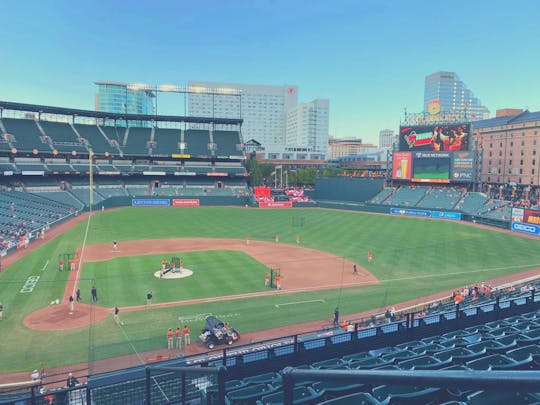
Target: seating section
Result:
[[509, 344], [95, 138], [137, 142], [472, 203], [26, 133], [227, 143], [63, 137], [166, 142], [406, 196], [197, 141], [23, 213], [383, 195], [442, 198]]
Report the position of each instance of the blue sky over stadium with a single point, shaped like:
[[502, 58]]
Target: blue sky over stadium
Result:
[[368, 57]]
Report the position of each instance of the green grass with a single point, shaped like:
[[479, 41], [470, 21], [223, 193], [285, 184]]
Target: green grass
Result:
[[125, 281], [413, 257]]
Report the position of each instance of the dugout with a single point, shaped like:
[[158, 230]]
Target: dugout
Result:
[[353, 189]]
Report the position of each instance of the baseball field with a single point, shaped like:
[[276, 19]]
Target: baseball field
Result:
[[412, 258]]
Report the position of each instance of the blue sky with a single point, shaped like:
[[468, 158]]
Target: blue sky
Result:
[[369, 57]]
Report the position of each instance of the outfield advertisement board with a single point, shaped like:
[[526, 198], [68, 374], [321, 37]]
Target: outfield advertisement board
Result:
[[435, 138], [402, 165], [409, 212], [187, 202], [426, 213], [276, 204], [462, 167], [530, 229], [150, 202]]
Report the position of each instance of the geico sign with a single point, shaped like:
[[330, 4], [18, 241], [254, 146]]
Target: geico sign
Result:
[[29, 285], [524, 228]]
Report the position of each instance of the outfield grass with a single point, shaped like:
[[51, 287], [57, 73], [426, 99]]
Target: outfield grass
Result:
[[412, 257]]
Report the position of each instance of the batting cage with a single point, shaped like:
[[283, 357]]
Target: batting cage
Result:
[[273, 275]]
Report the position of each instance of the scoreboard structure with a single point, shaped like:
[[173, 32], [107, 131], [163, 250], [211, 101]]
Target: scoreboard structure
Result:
[[434, 154]]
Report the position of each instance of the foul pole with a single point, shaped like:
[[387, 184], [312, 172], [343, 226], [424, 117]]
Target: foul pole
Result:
[[91, 177]]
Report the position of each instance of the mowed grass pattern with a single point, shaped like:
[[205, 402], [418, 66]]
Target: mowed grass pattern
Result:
[[412, 257]]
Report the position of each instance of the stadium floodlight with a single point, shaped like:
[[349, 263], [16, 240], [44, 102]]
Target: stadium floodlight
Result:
[[138, 86], [168, 87]]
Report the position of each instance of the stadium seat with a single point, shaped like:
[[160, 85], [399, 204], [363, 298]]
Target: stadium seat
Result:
[[423, 363], [361, 398], [266, 378], [494, 397], [369, 363], [209, 395], [331, 389], [250, 394], [332, 363], [429, 349], [458, 355], [357, 356], [404, 394], [301, 395], [493, 362], [490, 346]]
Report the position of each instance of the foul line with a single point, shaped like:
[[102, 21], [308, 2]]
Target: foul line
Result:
[[45, 266], [76, 283], [298, 302]]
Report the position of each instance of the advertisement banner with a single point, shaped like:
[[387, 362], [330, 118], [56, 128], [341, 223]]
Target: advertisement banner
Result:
[[517, 214], [150, 202], [462, 167], [531, 217], [192, 202], [276, 204], [446, 215], [436, 138], [402, 165], [409, 212], [526, 228]]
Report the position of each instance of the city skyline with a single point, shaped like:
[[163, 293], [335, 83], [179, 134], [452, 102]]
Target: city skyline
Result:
[[368, 58]]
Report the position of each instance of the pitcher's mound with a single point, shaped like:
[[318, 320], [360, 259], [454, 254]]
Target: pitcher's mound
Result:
[[174, 274]]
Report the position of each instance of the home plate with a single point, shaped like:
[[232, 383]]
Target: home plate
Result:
[[174, 274]]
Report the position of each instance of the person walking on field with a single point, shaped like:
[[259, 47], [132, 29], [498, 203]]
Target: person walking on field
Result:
[[94, 294], [187, 339], [78, 295], [369, 257], [354, 269], [170, 339], [149, 298], [267, 280], [336, 317], [278, 282], [71, 305]]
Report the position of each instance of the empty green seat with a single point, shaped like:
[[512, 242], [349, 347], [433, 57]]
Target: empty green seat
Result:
[[361, 398]]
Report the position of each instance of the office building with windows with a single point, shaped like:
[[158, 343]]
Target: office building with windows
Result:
[[307, 126], [444, 92], [509, 146], [386, 138], [124, 98], [263, 108]]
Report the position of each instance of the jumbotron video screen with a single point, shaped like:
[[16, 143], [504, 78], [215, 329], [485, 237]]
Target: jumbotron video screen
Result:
[[434, 138]]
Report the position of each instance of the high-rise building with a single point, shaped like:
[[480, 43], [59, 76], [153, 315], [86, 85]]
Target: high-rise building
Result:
[[338, 148], [124, 98], [262, 108], [307, 126], [444, 92], [386, 138]]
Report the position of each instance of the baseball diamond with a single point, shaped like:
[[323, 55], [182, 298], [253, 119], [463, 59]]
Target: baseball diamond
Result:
[[317, 273]]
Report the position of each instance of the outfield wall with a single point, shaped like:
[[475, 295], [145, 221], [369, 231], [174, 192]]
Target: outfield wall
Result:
[[354, 189]]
